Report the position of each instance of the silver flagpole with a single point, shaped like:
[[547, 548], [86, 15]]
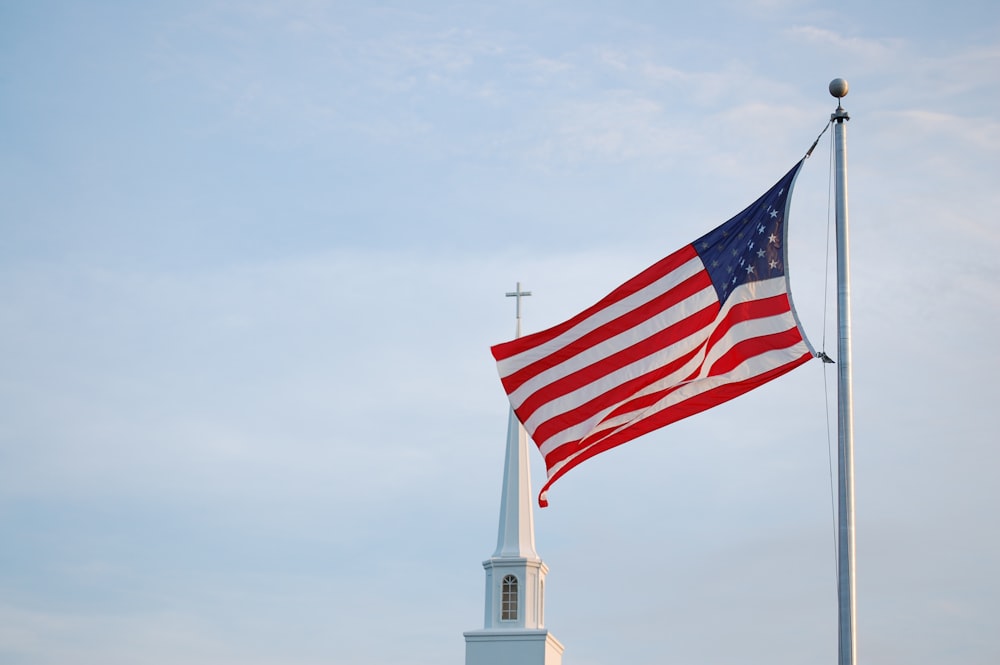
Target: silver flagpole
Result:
[[845, 407]]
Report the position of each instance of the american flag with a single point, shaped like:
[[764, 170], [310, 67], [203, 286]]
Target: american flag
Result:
[[704, 325]]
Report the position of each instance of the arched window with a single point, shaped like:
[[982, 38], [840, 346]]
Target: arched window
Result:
[[508, 599]]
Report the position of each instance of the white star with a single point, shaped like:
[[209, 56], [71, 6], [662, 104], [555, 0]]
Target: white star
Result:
[[774, 213], [773, 264], [773, 239], [760, 253], [750, 269]]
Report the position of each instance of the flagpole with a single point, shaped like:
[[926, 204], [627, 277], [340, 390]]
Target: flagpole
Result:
[[848, 648]]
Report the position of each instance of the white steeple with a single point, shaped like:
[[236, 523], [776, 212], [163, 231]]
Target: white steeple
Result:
[[516, 537], [514, 619]]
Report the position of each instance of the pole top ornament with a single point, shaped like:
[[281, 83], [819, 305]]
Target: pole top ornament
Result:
[[838, 88]]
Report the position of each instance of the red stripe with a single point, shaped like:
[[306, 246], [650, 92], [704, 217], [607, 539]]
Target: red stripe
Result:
[[648, 400], [608, 364], [573, 417], [752, 309], [690, 407], [740, 353], [752, 347], [659, 269], [623, 323], [698, 403]]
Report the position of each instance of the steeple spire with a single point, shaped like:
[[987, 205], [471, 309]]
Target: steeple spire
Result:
[[516, 537]]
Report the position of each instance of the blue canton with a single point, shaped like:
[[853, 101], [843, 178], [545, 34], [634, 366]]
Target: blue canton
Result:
[[750, 246]]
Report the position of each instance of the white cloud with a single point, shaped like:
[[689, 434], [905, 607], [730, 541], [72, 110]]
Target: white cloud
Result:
[[875, 52], [620, 127], [974, 134]]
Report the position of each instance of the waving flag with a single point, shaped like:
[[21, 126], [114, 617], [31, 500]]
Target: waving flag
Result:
[[704, 325]]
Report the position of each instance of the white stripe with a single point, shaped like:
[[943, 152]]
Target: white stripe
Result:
[[740, 295], [585, 393], [755, 366], [749, 329], [612, 345], [762, 327], [739, 332], [637, 300], [752, 367], [552, 409]]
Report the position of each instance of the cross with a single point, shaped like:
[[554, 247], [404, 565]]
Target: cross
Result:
[[518, 293]]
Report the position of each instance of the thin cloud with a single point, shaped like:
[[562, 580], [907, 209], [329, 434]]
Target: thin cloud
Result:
[[977, 134], [874, 51]]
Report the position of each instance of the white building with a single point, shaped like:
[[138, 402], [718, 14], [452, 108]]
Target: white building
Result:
[[513, 630]]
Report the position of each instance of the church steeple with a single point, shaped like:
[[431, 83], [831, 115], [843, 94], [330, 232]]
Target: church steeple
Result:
[[514, 617], [517, 521]]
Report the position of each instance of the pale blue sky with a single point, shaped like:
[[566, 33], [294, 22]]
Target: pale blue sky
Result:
[[254, 254]]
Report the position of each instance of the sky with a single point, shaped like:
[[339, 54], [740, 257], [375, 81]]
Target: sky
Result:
[[253, 256]]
